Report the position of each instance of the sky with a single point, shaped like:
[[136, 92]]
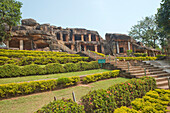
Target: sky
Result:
[[104, 16]]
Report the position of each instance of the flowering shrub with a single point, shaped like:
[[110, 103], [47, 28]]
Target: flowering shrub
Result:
[[62, 106], [100, 76], [119, 95]]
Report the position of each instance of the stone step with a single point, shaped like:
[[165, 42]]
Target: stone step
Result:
[[132, 69], [161, 79], [142, 70], [162, 83], [155, 75], [160, 75], [163, 87], [148, 73]]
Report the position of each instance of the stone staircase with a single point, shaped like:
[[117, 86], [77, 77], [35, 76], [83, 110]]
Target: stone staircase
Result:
[[137, 70]]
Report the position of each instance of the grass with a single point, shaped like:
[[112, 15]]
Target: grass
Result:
[[31, 103], [50, 76]]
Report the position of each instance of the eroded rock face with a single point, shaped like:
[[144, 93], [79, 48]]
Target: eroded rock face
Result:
[[29, 22], [38, 36]]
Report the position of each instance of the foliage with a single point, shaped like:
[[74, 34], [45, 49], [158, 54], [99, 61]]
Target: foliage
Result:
[[129, 52], [125, 109], [101, 76], [137, 58], [158, 56], [62, 106], [11, 70], [10, 15], [15, 89], [117, 95], [140, 54], [163, 15], [100, 54], [146, 31]]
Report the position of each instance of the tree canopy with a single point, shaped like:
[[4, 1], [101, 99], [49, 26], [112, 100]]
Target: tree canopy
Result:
[[146, 31], [10, 15], [163, 15]]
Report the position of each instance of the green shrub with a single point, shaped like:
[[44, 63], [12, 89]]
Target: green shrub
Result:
[[100, 54], [100, 76], [70, 67], [14, 89], [136, 58], [62, 106], [140, 54], [9, 70], [123, 93], [125, 109], [152, 102], [54, 68], [158, 56], [32, 69]]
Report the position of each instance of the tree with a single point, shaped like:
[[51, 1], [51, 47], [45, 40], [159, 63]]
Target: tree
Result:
[[163, 20], [10, 15], [146, 31]]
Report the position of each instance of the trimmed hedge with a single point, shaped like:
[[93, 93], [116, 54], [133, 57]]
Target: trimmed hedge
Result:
[[62, 106], [22, 88], [136, 58], [153, 102], [140, 54], [100, 54], [101, 76], [11, 70], [117, 95]]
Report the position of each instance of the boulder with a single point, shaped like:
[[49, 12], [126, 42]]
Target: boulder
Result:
[[29, 22]]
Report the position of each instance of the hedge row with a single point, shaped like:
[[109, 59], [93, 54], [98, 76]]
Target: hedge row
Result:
[[100, 76], [22, 88], [11, 70], [20, 55], [136, 58], [140, 54], [100, 54], [41, 60], [31, 51], [118, 95], [153, 102]]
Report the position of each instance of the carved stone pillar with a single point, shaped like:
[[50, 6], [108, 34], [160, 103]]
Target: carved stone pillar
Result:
[[7, 44], [72, 47], [89, 36], [97, 38], [102, 48], [67, 37], [61, 36], [21, 44], [128, 45], [118, 47], [85, 48], [82, 37], [95, 47], [73, 38]]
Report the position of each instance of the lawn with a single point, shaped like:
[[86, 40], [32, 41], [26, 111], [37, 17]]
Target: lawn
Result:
[[50, 76], [31, 103]]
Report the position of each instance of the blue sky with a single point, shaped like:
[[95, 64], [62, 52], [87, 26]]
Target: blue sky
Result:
[[104, 16]]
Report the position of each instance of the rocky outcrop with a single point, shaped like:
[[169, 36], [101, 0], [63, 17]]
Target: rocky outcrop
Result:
[[38, 36]]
